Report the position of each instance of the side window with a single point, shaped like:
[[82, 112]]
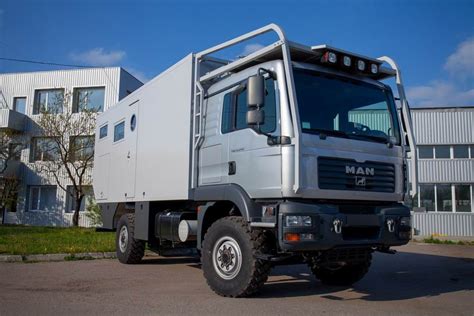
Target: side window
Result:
[[119, 131], [227, 114], [234, 113], [103, 131]]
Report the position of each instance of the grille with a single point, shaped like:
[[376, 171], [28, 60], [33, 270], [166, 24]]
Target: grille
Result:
[[357, 233], [333, 175]]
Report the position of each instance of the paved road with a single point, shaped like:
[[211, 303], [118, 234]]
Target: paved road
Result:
[[419, 280]]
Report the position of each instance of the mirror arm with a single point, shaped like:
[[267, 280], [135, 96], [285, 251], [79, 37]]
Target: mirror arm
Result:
[[269, 72]]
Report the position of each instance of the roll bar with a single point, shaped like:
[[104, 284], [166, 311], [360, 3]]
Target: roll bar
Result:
[[199, 89], [408, 126]]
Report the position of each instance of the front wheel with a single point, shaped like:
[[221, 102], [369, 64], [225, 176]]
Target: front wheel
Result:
[[228, 258], [129, 250]]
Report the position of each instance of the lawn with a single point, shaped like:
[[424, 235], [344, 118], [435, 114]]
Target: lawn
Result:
[[22, 240]]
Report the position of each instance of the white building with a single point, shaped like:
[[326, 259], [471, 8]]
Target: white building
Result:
[[445, 141], [40, 200]]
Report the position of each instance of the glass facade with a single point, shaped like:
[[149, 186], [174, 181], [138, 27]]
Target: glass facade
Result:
[[88, 99], [51, 101], [19, 104], [42, 198], [445, 197], [44, 149]]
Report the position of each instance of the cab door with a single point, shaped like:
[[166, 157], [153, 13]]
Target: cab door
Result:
[[253, 164]]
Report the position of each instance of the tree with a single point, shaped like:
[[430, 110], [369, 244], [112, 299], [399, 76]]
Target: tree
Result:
[[11, 145], [65, 147]]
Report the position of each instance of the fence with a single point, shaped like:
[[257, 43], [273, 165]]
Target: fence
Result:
[[84, 221], [445, 224]]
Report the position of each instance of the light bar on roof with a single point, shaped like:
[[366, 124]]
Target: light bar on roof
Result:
[[346, 61]]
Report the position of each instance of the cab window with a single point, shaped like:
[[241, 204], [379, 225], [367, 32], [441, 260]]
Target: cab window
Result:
[[234, 110]]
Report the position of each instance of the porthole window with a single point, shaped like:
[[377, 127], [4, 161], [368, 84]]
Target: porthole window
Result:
[[133, 122]]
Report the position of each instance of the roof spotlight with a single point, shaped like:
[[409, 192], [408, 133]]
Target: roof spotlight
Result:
[[374, 68], [361, 65], [347, 61]]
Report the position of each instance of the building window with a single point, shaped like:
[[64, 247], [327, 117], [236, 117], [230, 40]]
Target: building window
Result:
[[50, 101], [442, 152], [425, 152], [19, 104], [15, 151], [463, 197], [81, 148], [71, 201], [90, 99], [42, 198], [427, 197], [234, 112], [444, 198], [103, 131], [461, 151], [45, 149], [119, 131]]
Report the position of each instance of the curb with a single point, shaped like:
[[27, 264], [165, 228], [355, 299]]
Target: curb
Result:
[[58, 257]]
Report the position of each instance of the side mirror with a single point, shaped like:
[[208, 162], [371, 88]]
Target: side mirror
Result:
[[256, 91], [255, 117]]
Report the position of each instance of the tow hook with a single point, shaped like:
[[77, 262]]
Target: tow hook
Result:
[[337, 225], [391, 225]]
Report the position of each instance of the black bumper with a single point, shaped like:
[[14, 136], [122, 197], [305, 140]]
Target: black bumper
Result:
[[370, 229]]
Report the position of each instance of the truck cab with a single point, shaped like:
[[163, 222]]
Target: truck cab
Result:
[[291, 154]]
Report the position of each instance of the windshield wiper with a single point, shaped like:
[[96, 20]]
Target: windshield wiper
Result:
[[379, 139], [325, 132]]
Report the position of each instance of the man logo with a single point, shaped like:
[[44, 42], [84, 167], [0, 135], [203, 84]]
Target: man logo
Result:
[[359, 171], [360, 181]]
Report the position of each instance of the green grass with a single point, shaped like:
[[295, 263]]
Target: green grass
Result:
[[432, 240], [24, 240]]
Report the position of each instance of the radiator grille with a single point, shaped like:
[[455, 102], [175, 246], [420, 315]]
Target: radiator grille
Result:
[[347, 174]]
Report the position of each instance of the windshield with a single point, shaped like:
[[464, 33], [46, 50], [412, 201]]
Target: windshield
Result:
[[341, 107]]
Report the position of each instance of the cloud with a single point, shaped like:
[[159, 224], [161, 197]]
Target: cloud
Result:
[[461, 62], [251, 48], [140, 75], [98, 57], [452, 91], [440, 93]]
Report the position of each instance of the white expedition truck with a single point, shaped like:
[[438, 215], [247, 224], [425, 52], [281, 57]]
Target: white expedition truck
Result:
[[293, 153]]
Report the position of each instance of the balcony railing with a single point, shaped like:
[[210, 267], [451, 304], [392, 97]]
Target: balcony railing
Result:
[[12, 120]]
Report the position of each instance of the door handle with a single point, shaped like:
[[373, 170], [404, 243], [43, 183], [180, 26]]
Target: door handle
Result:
[[128, 155], [232, 168]]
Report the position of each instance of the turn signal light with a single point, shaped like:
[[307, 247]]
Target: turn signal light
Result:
[[292, 237]]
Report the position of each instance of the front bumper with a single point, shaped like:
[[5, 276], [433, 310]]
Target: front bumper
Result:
[[380, 226]]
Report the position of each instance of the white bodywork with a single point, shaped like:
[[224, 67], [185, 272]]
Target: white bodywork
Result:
[[152, 162], [178, 145]]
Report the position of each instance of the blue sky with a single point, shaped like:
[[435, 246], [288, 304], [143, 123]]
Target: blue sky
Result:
[[432, 41]]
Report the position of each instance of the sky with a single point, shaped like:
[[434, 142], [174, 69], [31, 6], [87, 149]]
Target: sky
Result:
[[432, 41]]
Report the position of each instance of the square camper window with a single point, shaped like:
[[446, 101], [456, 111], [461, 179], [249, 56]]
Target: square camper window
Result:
[[103, 131], [119, 131]]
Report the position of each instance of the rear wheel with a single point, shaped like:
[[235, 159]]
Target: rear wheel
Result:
[[228, 258], [129, 250]]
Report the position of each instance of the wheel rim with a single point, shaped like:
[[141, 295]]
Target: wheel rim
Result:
[[123, 239], [227, 258]]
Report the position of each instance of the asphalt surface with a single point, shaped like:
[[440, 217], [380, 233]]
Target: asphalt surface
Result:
[[419, 280]]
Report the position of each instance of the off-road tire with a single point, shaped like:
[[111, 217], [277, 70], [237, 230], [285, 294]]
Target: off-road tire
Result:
[[253, 272], [344, 276], [135, 249]]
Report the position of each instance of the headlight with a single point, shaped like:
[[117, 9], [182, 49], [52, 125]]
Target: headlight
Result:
[[298, 221], [405, 221]]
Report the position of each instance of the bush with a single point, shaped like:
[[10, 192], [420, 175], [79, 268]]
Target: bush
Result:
[[93, 212]]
